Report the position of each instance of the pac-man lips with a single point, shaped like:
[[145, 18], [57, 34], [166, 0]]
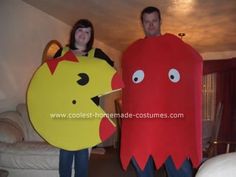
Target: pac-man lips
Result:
[[106, 128], [117, 82]]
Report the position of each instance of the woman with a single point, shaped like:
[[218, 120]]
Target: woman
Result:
[[81, 42]]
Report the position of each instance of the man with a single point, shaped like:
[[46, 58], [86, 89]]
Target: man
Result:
[[138, 135]]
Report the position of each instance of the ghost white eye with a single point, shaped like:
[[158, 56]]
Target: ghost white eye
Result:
[[138, 76], [174, 75]]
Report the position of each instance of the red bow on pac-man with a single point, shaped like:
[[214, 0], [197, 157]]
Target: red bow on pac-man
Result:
[[53, 62]]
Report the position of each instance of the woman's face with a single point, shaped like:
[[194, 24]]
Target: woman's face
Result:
[[82, 36]]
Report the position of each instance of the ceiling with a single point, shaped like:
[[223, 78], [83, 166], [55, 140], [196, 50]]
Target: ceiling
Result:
[[209, 25]]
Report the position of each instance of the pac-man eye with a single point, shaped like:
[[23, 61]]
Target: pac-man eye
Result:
[[74, 101], [84, 79], [174, 75], [138, 76]]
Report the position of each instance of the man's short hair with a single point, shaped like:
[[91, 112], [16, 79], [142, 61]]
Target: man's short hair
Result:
[[148, 10]]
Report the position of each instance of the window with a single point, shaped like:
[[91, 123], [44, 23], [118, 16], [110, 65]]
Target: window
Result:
[[209, 96]]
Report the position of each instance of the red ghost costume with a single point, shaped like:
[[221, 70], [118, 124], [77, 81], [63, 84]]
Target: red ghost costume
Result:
[[161, 100]]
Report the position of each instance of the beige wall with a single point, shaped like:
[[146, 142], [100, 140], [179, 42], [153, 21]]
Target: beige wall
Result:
[[24, 32]]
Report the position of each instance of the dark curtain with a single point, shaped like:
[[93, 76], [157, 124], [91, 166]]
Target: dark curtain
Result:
[[225, 93]]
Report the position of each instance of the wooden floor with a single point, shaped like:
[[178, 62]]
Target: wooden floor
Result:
[[108, 165]]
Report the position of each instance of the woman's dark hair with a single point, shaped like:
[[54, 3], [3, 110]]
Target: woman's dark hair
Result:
[[82, 23], [149, 10]]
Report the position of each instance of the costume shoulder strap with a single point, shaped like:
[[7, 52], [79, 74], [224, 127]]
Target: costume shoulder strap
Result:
[[91, 52], [64, 50]]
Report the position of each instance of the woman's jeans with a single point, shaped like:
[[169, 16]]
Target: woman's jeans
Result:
[[184, 171], [80, 163]]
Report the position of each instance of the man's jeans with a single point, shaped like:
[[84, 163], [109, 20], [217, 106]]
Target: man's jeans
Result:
[[184, 171]]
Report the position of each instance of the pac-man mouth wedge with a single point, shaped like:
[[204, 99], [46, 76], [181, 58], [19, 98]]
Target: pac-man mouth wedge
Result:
[[60, 100], [162, 77]]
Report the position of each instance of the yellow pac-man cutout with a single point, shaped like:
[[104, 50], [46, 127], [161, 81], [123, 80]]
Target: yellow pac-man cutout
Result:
[[61, 105]]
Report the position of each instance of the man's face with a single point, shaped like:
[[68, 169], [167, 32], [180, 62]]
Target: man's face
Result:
[[151, 24]]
